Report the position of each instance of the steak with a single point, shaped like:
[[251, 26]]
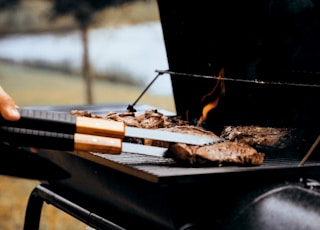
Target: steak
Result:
[[219, 154], [256, 135], [149, 119], [266, 139]]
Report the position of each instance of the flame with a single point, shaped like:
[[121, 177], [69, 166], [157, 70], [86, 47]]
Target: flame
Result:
[[217, 90]]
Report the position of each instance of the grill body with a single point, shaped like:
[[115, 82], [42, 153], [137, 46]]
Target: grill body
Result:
[[135, 191]]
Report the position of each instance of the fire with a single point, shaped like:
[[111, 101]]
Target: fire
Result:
[[216, 92]]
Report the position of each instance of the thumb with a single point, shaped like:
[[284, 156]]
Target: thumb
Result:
[[8, 107]]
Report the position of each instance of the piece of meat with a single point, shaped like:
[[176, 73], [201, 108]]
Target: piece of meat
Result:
[[152, 120], [228, 152], [223, 153], [149, 119], [261, 137], [220, 154], [128, 118], [83, 113]]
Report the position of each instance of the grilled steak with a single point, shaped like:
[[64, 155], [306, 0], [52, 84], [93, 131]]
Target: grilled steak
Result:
[[84, 113], [150, 119], [266, 139], [220, 154]]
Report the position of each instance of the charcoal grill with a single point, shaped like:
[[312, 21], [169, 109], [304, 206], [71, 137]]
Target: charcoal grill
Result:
[[270, 52]]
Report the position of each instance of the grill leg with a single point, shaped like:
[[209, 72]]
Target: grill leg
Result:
[[33, 212], [43, 193]]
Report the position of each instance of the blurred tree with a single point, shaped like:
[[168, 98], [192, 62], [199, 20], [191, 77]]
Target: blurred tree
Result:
[[4, 4], [84, 11]]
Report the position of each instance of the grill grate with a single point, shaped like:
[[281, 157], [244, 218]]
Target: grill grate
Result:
[[155, 169]]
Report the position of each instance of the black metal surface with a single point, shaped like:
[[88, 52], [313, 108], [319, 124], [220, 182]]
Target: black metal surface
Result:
[[145, 193], [43, 120], [21, 162], [43, 193], [37, 138], [265, 40], [99, 109], [284, 207], [164, 171]]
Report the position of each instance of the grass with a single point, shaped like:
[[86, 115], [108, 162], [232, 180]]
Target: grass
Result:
[[38, 87]]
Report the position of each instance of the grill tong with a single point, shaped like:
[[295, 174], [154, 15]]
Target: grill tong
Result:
[[63, 131]]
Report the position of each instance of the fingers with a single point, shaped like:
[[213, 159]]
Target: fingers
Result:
[[8, 107]]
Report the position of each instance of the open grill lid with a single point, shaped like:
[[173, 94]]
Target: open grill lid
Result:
[[264, 41]]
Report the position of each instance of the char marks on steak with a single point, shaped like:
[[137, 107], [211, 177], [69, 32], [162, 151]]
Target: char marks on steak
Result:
[[266, 139], [150, 119], [84, 113], [220, 154]]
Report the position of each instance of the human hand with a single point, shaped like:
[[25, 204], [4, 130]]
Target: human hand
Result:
[[8, 107]]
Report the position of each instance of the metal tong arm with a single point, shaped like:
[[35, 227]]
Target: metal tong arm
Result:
[[61, 131], [65, 123], [60, 141]]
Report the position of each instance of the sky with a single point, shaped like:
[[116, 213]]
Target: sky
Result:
[[138, 50]]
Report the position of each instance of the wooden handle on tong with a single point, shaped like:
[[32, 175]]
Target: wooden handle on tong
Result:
[[100, 127], [109, 145]]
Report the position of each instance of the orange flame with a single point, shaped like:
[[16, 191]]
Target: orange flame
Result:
[[218, 90]]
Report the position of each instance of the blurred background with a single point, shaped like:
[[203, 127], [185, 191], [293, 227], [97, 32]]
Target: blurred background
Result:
[[64, 52]]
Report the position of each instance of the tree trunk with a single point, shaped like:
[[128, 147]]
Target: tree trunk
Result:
[[86, 68]]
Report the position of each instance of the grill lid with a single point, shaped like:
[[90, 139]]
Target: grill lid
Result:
[[265, 41]]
